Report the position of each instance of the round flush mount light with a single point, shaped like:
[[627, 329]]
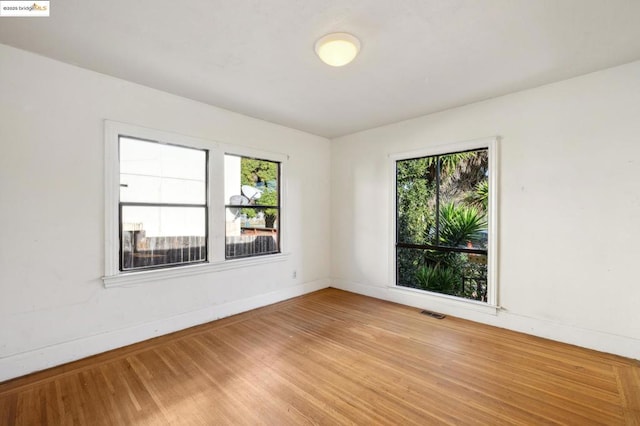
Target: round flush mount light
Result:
[[337, 49]]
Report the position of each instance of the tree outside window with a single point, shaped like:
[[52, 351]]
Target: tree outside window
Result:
[[442, 223]]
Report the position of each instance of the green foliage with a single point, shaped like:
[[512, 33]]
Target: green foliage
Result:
[[479, 198], [459, 224], [476, 274], [460, 176], [269, 198], [416, 185], [451, 162], [258, 172], [454, 189], [263, 175], [439, 279]]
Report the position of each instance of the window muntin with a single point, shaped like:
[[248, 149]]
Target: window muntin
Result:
[[162, 204], [252, 215], [442, 221]]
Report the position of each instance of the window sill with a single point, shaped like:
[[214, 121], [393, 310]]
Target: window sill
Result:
[[129, 278], [445, 299]]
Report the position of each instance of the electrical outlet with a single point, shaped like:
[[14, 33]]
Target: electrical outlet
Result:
[[294, 274]]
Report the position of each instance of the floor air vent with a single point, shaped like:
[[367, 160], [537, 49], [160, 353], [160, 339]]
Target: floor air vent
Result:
[[434, 314]]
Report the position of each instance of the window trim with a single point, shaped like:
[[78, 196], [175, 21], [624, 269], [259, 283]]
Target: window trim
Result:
[[155, 275], [215, 261], [491, 143]]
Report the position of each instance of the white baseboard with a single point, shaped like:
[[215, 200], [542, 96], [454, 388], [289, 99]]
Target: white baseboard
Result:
[[39, 359], [592, 339]]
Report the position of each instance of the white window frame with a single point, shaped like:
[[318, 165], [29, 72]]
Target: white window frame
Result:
[[215, 200], [490, 143]]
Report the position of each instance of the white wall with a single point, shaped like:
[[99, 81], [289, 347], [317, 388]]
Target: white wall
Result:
[[569, 207], [53, 305]]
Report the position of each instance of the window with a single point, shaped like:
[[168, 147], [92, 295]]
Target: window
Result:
[[177, 205], [252, 194], [162, 208], [444, 212]]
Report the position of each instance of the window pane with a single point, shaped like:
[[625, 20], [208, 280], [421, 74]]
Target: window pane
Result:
[[463, 199], [416, 194], [251, 231], [251, 180], [252, 194], [457, 197], [157, 173], [456, 274], [156, 236]]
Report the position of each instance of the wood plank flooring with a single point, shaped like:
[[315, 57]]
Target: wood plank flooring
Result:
[[333, 357]]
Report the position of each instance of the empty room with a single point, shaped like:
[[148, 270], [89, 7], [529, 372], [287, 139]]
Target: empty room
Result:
[[412, 212]]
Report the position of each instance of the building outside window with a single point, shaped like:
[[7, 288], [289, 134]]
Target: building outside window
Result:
[[163, 204]]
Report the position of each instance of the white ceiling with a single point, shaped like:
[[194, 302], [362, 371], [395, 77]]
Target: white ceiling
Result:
[[256, 56]]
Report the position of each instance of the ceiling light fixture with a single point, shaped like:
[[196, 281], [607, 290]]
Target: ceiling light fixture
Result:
[[337, 49]]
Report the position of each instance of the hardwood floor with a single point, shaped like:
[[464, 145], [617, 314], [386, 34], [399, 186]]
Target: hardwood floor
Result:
[[333, 357]]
